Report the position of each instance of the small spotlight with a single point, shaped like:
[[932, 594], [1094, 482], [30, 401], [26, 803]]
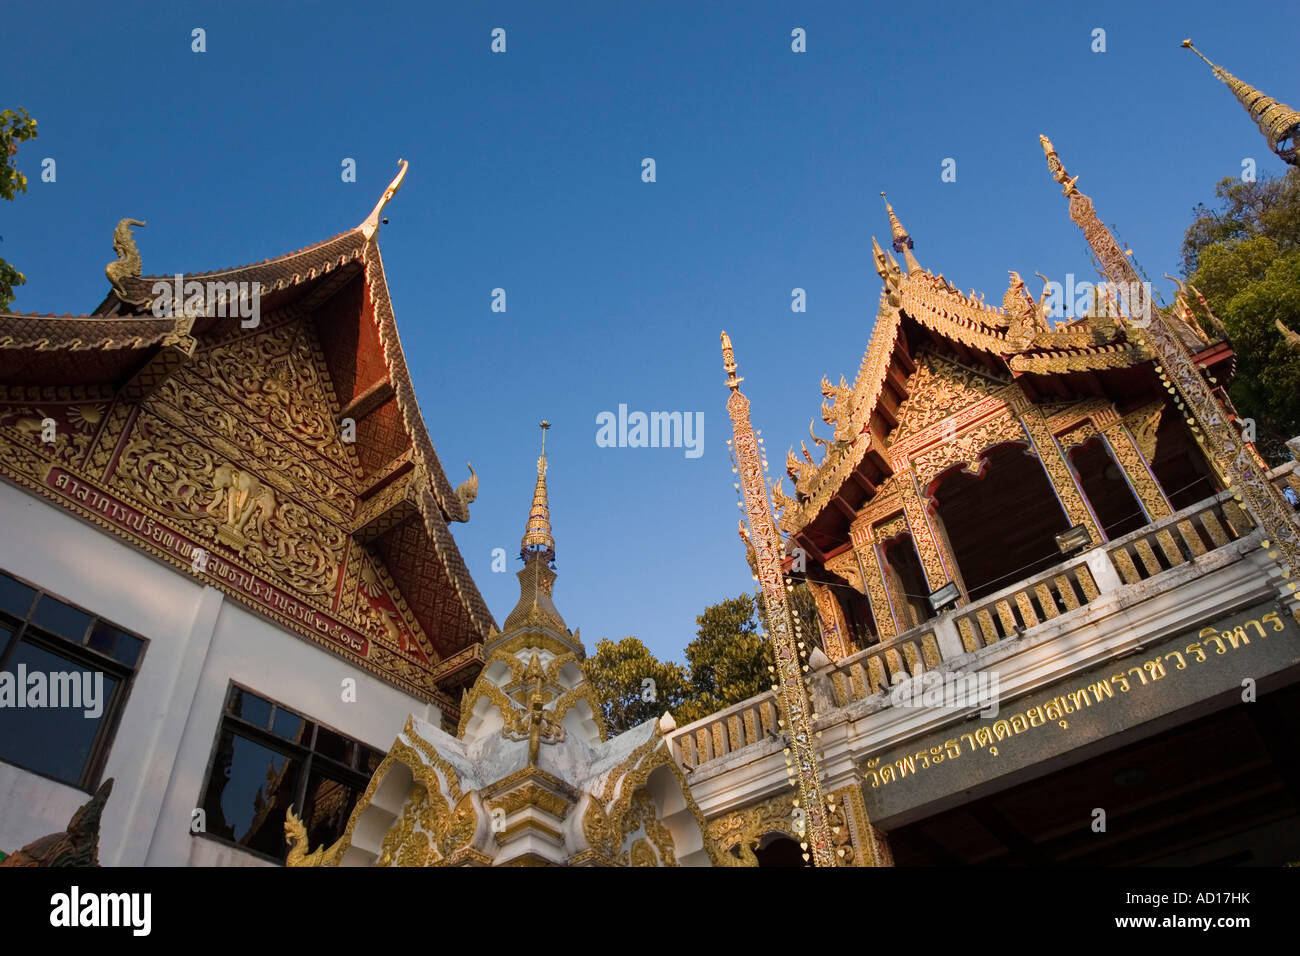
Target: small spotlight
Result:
[[944, 597], [1073, 541]]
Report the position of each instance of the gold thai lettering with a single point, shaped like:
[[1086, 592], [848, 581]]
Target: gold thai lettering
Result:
[[1069, 702]]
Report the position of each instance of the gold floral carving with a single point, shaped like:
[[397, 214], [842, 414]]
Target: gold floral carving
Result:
[[923, 537], [892, 528], [1130, 458], [1059, 472], [937, 390], [1077, 435], [737, 833], [277, 382], [596, 828], [531, 795], [229, 505], [846, 566], [877, 594], [965, 447], [835, 629], [643, 815], [1142, 424]]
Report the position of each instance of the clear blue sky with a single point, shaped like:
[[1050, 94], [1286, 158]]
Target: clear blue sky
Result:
[[525, 174]]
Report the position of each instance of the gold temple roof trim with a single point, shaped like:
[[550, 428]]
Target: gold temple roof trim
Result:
[[1091, 359], [933, 303], [439, 502]]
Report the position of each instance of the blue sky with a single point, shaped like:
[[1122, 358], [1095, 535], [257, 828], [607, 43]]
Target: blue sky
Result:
[[526, 175]]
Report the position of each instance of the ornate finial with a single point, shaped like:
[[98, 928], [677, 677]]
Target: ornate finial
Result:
[[467, 490], [729, 363], [537, 535], [128, 264], [371, 225], [902, 241], [1277, 121], [1056, 167]]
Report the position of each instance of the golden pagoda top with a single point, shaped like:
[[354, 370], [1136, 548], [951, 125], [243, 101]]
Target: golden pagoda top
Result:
[[901, 240], [537, 535], [1277, 121]]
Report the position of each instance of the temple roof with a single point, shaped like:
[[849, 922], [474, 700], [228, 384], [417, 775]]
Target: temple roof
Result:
[[338, 287], [921, 309]]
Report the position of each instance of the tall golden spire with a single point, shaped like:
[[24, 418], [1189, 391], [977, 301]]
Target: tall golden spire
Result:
[[804, 766], [537, 578], [537, 535], [902, 241], [1278, 122], [1211, 423]]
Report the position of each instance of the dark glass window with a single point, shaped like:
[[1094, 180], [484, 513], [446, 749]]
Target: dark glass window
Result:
[[268, 758], [64, 679]]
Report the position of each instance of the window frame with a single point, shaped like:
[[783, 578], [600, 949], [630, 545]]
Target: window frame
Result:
[[308, 756], [80, 654]]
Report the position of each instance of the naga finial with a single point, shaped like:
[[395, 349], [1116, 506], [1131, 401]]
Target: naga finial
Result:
[[467, 490], [128, 264], [371, 225]]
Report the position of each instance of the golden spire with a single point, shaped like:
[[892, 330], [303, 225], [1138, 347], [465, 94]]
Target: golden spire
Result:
[[902, 241], [729, 363], [537, 535], [1186, 380], [803, 763], [1277, 121]]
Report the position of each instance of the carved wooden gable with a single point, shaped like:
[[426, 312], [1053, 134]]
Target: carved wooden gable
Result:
[[231, 465], [939, 389]]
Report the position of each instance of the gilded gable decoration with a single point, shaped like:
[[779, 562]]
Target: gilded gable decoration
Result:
[[217, 448]]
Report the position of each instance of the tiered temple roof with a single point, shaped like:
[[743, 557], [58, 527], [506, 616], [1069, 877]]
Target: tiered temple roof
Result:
[[387, 490], [1014, 343]]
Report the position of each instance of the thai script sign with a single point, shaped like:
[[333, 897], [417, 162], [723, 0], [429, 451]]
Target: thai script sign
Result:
[[1109, 699]]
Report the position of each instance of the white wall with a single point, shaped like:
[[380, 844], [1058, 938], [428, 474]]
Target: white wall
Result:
[[199, 641]]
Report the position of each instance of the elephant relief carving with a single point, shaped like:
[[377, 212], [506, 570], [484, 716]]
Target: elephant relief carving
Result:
[[247, 505]]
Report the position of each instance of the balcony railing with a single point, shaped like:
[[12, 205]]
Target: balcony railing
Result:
[[1137, 557], [1199, 530], [728, 730]]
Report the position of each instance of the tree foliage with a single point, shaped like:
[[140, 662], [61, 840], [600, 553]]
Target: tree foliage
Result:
[[15, 127], [618, 671], [726, 663], [1245, 260], [728, 659]]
